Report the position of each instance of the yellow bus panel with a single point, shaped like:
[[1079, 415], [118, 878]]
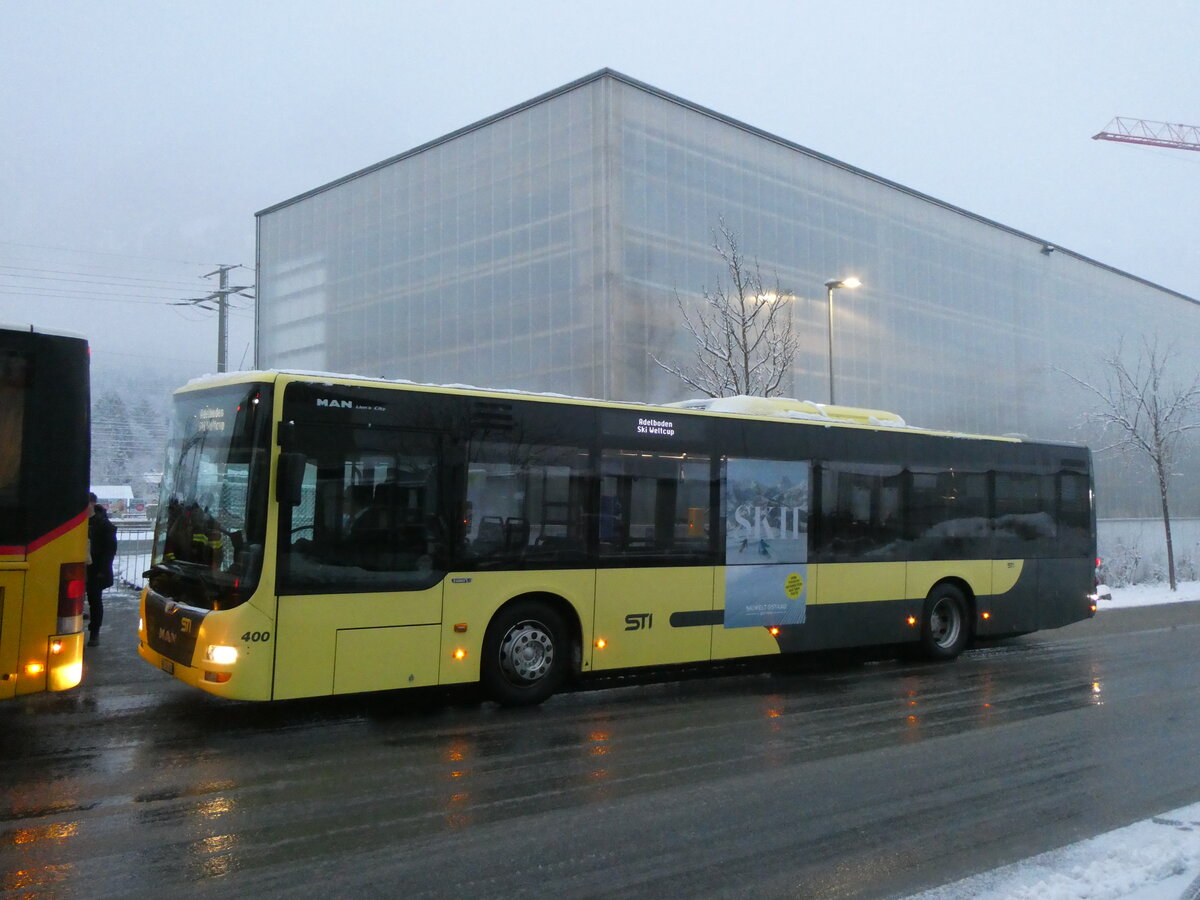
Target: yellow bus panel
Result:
[[382, 659], [856, 582], [977, 573], [633, 616], [307, 630]]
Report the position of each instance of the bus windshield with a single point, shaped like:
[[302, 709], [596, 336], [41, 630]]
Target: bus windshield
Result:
[[209, 533]]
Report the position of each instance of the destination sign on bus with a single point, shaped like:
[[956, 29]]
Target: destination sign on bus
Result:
[[210, 419], [619, 423]]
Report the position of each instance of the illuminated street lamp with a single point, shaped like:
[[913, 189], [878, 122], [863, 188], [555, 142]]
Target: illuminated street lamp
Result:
[[831, 286]]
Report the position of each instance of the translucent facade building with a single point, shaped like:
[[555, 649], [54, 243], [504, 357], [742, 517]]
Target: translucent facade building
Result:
[[543, 249]]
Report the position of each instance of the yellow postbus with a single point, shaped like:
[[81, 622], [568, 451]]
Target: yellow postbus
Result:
[[320, 534], [44, 457]]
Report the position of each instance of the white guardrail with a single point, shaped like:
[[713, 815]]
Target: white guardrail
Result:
[[133, 553]]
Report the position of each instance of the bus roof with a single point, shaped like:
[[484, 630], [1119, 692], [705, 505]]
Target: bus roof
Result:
[[34, 329], [799, 411]]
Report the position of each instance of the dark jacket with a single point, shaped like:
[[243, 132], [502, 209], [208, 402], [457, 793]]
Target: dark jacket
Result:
[[102, 535]]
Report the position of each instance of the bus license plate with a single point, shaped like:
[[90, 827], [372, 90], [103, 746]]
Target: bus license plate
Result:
[[167, 666]]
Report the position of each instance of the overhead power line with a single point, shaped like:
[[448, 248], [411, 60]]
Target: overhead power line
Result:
[[88, 277], [135, 287], [181, 262], [45, 293]]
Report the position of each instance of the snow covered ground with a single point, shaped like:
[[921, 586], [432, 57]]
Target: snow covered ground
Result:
[[1158, 859], [1151, 594]]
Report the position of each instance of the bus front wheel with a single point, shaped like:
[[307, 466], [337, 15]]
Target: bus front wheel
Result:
[[525, 654], [944, 629]]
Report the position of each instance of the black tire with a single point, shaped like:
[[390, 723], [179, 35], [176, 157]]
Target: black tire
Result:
[[526, 654], [945, 628]]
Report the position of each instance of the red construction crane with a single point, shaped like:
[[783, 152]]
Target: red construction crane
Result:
[[1156, 134]]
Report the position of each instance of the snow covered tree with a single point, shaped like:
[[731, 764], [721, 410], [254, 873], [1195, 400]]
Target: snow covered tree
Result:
[[742, 331], [1147, 415], [112, 440]]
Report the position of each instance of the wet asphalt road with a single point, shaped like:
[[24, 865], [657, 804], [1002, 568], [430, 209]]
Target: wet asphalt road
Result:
[[842, 779]]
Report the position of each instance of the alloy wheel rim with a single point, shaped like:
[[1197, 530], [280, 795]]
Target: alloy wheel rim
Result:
[[526, 652]]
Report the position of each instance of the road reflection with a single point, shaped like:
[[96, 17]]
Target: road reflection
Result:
[[154, 785]]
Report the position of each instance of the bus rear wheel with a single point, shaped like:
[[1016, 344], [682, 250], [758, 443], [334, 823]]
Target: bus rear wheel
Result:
[[944, 628], [525, 654]]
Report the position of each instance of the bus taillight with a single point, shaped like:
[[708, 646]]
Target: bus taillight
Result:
[[71, 590]]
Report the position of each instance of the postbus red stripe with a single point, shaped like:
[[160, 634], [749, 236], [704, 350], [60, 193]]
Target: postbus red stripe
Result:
[[49, 536]]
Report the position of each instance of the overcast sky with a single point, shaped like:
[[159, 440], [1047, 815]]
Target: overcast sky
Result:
[[139, 138]]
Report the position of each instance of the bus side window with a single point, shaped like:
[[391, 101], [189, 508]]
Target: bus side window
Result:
[[369, 517], [860, 513], [1026, 522], [1074, 514], [525, 506], [950, 514], [654, 508]]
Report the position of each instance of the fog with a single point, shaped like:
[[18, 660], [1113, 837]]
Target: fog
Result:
[[141, 138]]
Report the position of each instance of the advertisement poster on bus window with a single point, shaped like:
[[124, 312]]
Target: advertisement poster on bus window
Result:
[[766, 542]]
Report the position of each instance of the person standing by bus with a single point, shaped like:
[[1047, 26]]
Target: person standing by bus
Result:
[[102, 550]]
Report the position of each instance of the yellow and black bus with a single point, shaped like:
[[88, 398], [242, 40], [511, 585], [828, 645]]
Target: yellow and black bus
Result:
[[324, 535], [44, 459]]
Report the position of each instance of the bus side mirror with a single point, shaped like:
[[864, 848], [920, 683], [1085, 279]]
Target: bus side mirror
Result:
[[287, 434], [290, 477]]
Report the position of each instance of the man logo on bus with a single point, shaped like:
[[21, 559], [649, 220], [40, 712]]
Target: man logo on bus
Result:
[[340, 404]]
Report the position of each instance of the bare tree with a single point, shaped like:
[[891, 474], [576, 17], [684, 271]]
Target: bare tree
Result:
[[1146, 415], [743, 335]]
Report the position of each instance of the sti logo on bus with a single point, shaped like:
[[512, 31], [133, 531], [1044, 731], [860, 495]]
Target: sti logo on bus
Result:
[[638, 621]]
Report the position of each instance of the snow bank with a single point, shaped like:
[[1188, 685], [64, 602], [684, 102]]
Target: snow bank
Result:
[[1152, 860], [1150, 595]]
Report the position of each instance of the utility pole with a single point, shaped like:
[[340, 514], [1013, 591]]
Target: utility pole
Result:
[[222, 316], [221, 297]]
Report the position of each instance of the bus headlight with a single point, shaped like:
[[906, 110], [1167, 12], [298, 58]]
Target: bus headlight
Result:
[[221, 654]]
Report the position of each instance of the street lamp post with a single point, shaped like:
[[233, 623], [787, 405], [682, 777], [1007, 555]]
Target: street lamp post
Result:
[[831, 286]]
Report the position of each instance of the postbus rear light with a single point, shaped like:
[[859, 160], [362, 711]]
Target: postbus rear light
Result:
[[71, 590]]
